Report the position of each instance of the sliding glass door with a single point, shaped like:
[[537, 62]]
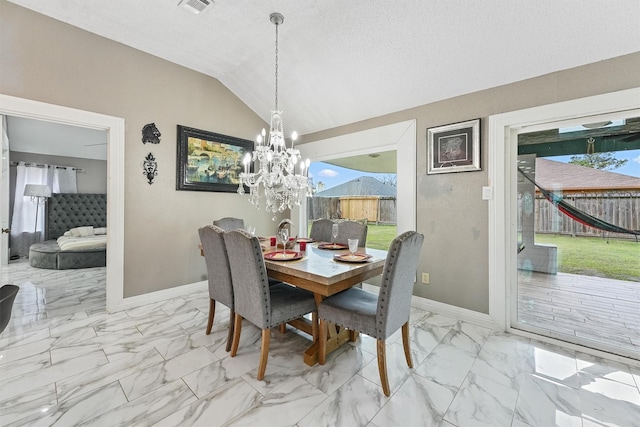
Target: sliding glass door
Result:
[[577, 193]]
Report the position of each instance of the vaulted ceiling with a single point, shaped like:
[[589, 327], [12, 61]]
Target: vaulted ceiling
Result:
[[345, 61]]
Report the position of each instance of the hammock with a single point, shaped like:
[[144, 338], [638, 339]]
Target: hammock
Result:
[[578, 215]]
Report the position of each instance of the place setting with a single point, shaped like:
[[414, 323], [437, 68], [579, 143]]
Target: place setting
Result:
[[284, 255], [353, 255], [333, 246], [282, 237]]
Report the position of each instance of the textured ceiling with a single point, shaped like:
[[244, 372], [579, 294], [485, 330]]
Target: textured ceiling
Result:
[[344, 61]]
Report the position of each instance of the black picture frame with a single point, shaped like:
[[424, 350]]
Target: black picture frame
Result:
[[209, 161], [454, 148]]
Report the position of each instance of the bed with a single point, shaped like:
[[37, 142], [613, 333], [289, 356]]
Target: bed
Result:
[[79, 216]]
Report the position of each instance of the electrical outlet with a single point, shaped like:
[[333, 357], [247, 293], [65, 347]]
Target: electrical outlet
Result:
[[425, 278]]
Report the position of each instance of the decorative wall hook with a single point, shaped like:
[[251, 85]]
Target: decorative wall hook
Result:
[[150, 134], [150, 168]]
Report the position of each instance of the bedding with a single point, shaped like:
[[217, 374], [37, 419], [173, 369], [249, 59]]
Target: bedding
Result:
[[85, 231], [73, 243], [80, 231]]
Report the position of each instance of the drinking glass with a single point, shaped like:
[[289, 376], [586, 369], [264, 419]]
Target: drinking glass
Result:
[[353, 246], [283, 235], [334, 233]]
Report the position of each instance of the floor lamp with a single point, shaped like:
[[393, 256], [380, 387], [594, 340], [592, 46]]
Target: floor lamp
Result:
[[39, 195]]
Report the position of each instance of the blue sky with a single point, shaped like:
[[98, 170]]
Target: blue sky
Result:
[[332, 175], [632, 167]]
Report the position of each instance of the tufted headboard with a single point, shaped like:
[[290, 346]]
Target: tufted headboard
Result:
[[69, 210]]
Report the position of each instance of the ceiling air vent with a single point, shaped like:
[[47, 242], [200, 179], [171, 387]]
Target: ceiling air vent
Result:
[[195, 6]]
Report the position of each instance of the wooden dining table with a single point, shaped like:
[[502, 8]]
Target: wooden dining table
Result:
[[318, 272]]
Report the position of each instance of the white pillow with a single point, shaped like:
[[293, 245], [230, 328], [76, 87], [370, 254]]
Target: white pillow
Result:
[[67, 233], [82, 231], [100, 230]]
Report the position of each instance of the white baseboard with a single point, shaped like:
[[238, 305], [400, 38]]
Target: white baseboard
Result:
[[458, 313], [163, 295]]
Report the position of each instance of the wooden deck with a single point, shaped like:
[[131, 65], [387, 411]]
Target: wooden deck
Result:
[[583, 307]]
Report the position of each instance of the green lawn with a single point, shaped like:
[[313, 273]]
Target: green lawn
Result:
[[378, 236], [594, 256], [589, 256]]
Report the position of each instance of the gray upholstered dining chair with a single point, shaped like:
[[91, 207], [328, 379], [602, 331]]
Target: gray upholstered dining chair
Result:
[[7, 297], [218, 274], [229, 223], [263, 305], [352, 230], [381, 315], [321, 230]]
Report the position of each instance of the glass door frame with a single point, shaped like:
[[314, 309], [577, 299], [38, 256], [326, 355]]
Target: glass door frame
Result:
[[502, 149]]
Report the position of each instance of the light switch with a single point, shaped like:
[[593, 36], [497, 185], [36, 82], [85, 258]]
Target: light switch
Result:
[[487, 193]]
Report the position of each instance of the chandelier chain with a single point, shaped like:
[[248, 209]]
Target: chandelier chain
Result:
[[277, 65]]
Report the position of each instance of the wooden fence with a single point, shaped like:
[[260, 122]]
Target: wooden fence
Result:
[[376, 209], [621, 209]]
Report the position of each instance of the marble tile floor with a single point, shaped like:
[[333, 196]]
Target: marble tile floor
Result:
[[65, 362]]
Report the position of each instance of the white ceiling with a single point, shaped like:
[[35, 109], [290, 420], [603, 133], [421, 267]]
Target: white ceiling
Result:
[[345, 61], [40, 137], [381, 162]]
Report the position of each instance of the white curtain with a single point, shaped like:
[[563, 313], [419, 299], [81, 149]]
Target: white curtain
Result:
[[24, 229]]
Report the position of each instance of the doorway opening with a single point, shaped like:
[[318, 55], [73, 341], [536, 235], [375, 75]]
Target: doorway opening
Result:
[[64, 158], [114, 127]]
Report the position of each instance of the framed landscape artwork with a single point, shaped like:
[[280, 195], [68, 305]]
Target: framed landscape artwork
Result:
[[208, 161], [454, 147]]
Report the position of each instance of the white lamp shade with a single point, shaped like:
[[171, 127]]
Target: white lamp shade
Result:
[[37, 190]]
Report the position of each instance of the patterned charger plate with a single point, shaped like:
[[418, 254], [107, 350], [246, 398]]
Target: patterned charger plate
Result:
[[283, 255], [333, 246], [357, 257]]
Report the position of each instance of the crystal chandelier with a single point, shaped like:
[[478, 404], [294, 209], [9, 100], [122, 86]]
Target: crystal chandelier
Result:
[[279, 174]]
